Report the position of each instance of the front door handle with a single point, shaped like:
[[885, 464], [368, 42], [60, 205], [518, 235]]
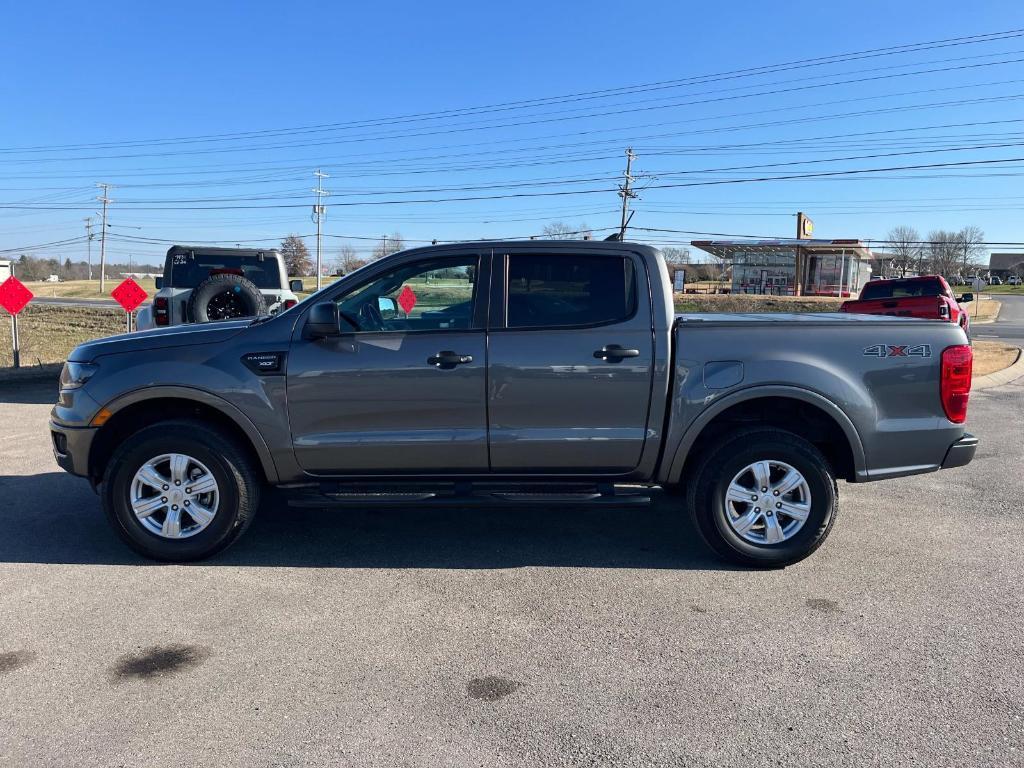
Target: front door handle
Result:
[[613, 353], [447, 360]]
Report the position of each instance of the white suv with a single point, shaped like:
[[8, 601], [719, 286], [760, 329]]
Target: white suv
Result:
[[203, 284]]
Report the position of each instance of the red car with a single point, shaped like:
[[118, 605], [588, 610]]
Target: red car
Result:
[[928, 297]]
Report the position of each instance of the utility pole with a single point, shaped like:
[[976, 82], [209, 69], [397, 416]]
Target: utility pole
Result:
[[318, 214], [626, 193], [88, 240], [384, 249], [103, 237]]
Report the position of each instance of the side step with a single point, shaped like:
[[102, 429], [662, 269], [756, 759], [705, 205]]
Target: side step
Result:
[[469, 495]]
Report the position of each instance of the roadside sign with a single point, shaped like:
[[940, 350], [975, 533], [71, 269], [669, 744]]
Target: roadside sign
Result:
[[977, 284], [407, 299], [13, 297], [129, 295], [679, 280]]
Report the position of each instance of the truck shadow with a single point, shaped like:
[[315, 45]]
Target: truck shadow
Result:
[[29, 392], [55, 518]]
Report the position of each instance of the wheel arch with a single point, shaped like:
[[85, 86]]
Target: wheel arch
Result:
[[821, 421], [135, 410]]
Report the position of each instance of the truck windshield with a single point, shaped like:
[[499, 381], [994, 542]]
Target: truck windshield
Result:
[[185, 272], [896, 289]]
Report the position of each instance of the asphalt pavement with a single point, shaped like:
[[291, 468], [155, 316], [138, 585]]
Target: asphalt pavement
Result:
[[517, 637], [1009, 326]]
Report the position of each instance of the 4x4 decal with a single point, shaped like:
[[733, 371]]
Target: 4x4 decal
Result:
[[898, 350]]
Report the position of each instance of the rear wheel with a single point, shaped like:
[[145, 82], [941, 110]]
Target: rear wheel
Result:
[[763, 497], [179, 490]]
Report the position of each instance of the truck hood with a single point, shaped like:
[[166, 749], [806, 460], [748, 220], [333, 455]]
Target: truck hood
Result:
[[160, 338]]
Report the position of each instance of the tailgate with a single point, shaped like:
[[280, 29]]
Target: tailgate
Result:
[[926, 307]]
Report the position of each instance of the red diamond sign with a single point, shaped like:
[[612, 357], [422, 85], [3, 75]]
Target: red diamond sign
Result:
[[14, 295], [407, 299], [129, 295]]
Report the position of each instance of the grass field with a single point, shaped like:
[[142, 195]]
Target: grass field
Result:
[[1014, 290], [48, 333], [992, 356]]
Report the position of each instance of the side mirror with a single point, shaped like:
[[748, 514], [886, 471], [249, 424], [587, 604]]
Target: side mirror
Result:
[[387, 307], [295, 286], [159, 281], [322, 321], [966, 298]]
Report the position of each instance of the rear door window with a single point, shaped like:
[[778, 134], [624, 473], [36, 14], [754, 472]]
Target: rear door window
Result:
[[570, 290]]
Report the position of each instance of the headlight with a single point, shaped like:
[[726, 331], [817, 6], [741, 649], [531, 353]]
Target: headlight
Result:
[[74, 375]]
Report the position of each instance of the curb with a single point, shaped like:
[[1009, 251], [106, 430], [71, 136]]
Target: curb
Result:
[[999, 378], [30, 374], [989, 320]]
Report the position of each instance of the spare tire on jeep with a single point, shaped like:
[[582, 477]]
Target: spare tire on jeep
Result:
[[225, 296]]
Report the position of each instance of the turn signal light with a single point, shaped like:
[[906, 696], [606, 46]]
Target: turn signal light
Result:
[[955, 384]]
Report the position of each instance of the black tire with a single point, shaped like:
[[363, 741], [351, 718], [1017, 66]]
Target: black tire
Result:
[[712, 476], [238, 482], [225, 296]]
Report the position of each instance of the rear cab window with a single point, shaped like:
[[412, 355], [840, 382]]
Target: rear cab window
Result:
[[896, 290], [569, 290]]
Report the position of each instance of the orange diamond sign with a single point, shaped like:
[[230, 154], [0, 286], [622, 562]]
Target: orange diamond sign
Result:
[[14, 295], [407, 299], [129, 295]]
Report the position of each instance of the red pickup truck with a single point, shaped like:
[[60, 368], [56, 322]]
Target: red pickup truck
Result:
[[929, 297]]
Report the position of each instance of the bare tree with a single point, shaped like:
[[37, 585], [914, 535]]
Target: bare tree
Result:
[[676, 257], [559, 230], [388, 244], [348, 259], [296, 256], [905, 245], [972, 247], [944, 251]]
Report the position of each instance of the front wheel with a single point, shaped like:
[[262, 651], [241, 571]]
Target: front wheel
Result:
[[764, 497], [179, 491]]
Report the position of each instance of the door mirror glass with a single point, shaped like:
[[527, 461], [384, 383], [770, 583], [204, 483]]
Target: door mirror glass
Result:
[[967, 297], [295, 286], [159, 283], [323, 321], [387, 307]]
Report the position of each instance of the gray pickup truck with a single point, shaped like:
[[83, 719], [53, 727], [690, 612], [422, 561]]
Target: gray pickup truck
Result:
[[511, 373]]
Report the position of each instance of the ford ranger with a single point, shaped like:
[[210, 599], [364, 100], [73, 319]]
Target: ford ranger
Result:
[[928, 297], [510, 373]]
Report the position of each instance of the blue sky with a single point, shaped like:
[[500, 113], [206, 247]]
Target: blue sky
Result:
[[145, 81]]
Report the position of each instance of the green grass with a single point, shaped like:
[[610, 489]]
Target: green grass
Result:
[[1013, 290]]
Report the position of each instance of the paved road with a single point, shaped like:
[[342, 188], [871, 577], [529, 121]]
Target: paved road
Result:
[[1009, 326], [517, 638], [75, 302]]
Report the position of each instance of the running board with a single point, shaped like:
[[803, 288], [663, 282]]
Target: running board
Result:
[[605, 495]]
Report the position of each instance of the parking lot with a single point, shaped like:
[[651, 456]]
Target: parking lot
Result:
[[516, 636]]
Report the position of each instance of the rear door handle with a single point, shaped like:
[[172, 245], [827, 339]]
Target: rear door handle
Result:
[[613, 353], [447, 360]]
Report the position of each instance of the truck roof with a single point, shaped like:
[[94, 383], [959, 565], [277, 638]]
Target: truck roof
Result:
[[538, 245]]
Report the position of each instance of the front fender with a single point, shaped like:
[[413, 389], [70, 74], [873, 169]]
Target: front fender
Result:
[[219, 404]]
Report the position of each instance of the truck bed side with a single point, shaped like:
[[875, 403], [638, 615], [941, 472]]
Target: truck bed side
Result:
[[872, 381]]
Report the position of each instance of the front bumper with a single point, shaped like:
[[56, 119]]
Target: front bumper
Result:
[[961, 452], [71, 447]]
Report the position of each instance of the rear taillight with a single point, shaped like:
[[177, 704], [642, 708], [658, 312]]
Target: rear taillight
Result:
[[289, 303], [943, 310], [955, 385], [160, 314]]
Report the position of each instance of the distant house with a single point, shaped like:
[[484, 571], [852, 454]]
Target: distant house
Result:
[[1005, 264]]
